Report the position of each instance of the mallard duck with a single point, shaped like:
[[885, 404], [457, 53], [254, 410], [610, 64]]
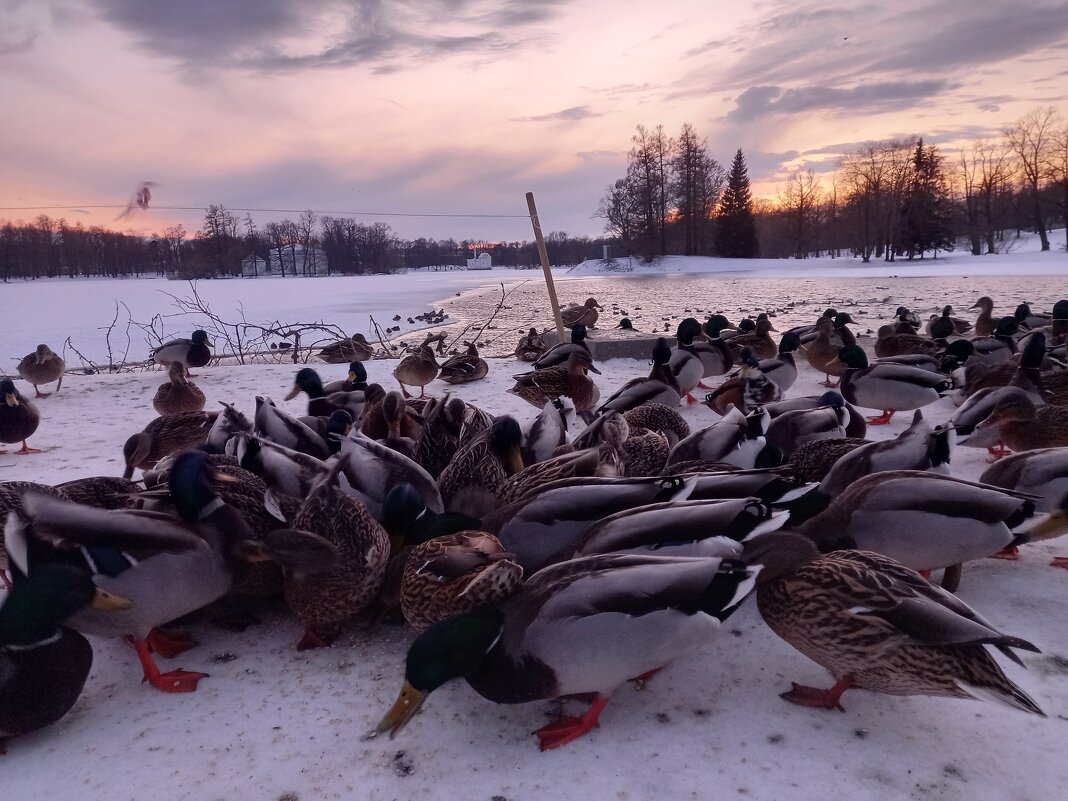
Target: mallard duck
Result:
[[945, 326], [904, 315], [999, 346], [625, 324], [558, 354], [572, 628], [178, 394], [370, 470], [685, 363], [44, 665], [813, 460], [979, 407], [919, 447], [984, 323], [374, 423], [355, 347], [189, 564], [663, 419], [193, 352], [539, 526], [760, 341], [791, 430], [1023, 426], [924, 520], [1023, 371], [319, 403], [227, 425], [746, 391], [821, 353], [661, 385], [331, 429], [165, 435], [416, 370], [477, 477], [644, 452], [586, 313], [857, 427], [42, 367], [531, 346], [892, 342], [465, 368], [455, 574], [734, 439], [1042, 473], [573, 464], [1059, 323], [286, 472], [890, 387], [1025, 317], [103, 492], [782, 369], [713, 351], [11, 493], [356, 379], [325, 599], [541, 386], [548, 431], [282, 428], [746, 326], [396, 413], [807, 333], [439, 435], [877, 625], [19, 418]]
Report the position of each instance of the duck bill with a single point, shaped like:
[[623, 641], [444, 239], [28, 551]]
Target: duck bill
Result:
[[593, 369], [293, 393], [11, 400], [514, 459], [352, 377], [109, 601], [1053, 526], [404, 708], [225, 478]]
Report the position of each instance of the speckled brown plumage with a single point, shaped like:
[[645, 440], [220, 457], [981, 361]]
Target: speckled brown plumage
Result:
[[867, 618], [43, 366], [178, 394], [103, 492], [440, 439], [165, 435], [812, 460], [355, 348], [541, 386], [661, 418], [644, 452], [324, 601], [454, 574], [11, 501]]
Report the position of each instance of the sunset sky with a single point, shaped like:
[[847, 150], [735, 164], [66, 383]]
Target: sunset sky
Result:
[[461, 106]]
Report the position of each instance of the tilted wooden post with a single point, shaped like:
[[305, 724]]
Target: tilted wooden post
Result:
[[544, 254]]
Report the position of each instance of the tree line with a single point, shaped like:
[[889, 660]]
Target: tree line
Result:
[[888, 200], [227, 245]]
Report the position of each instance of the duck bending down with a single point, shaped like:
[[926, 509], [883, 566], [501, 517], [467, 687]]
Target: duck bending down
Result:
[[583, 626], [890, 387], [877, 625]]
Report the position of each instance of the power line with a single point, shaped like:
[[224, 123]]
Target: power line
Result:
[[476, 215]]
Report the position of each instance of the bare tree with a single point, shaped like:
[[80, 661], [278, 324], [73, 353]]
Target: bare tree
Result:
[[1031, 139], [1057, 169], [799, 201], [696, 184]]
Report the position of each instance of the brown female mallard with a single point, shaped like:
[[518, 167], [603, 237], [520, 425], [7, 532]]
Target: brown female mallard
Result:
[[18, 418], [325, 599], [530, 346], [416, 370], [465, 368], [822, 354], [877, 625], [43, 366], [542, 386], [984, 323], [477, 477], [585, 313], [355, 348], [455, 574], [179, 394], [759, 342], [164, 435], [1023, 426]]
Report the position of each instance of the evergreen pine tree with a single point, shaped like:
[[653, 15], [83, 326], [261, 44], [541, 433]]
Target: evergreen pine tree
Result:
[[926, 214], [735, 226]]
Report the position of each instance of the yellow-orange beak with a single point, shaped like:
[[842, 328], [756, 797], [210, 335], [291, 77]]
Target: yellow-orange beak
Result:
[[108, 601], [403, 709], [293, 392]]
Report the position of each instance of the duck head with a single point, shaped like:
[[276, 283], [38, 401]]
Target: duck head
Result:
[[190, 484], [626, 324], [661, 351], [307, 380], [789, 343], [357, 374], [505, 438], [984, 303], [448, 650], [717, 323], [853, 357], [11, 396], [200, 338], [687, 330], [578, 333]]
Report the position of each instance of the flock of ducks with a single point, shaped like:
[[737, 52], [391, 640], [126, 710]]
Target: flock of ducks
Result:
[[554, 559]]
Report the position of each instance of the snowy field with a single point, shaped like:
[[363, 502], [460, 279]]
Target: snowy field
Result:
[[271, 723]]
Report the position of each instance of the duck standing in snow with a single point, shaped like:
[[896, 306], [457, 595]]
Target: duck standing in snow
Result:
[[43, 366]]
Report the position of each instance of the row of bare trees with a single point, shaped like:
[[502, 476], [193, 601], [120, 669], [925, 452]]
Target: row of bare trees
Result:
[[227, 245]]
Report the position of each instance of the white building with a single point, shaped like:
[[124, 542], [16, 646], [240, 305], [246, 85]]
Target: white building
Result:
[[483, 261], [290, 257]]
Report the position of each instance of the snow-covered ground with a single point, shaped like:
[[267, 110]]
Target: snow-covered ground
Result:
[[271, 723]]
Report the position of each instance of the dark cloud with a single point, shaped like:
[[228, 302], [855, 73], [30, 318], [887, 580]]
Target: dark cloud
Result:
[[761, 101], [19, 45], [567, 115], [291, 35]]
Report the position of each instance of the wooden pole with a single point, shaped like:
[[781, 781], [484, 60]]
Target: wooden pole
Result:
[[544, 254]]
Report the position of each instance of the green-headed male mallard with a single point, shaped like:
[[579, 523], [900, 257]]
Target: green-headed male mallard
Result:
[[583, 626], [193, 352], [890, 387]]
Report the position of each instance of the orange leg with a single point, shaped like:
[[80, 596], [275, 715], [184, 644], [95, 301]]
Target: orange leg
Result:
[[39, 394], [997, 452], [703, 385], [175, 681], [640, 681], [813, 696], [170, 645], [827, 383], [314, 639], [569, 728], [690, 398], [404, 392], [882, 419], [26, 449], [1009, 552], [1059, 561]]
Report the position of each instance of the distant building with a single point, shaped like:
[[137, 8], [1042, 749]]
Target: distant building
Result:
[[483, 261], [291, 258]]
